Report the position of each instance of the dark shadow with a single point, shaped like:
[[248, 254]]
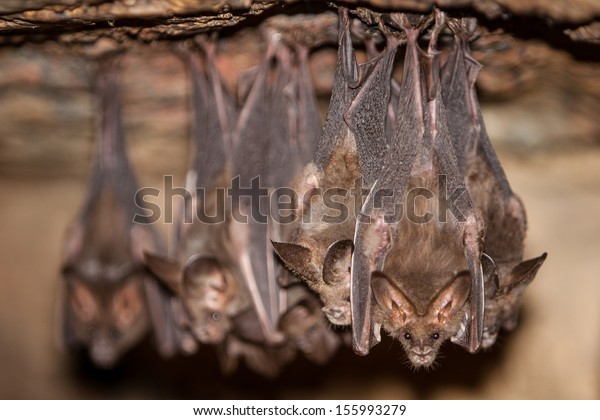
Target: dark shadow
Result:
[[143, 374]]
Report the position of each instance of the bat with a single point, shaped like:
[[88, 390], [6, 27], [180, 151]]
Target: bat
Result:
[[404, 258], [203, 275], [262, 160], [320, 250], [503, 212], [110, 299], [270, 141]]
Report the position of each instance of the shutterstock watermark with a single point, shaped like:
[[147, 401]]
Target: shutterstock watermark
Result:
[[252, 201]]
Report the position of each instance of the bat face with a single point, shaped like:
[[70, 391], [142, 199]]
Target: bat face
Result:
[[208, 294], [107, 318], [332, 283], [421, 332]]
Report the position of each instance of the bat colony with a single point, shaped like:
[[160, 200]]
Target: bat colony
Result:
[[398, 214]]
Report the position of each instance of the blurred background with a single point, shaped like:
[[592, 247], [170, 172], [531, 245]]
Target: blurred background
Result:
[[540, 93]]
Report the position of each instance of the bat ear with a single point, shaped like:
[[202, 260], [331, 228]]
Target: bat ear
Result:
[[297, 259], [390, 298], [451, 298], [167, 270], [337, 263], [524, 273], [127, 305], [83, 302]]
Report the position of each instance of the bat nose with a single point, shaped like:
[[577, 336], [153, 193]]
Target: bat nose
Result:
[[337, 315], [422, 356], [208, 335], [103, 353], [489, 338]]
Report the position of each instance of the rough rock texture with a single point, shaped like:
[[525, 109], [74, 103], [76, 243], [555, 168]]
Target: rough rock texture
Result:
[[157, 19]]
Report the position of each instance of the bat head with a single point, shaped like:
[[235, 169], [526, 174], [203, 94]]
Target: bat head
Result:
[[307, 329], [107, 317], [421, 333], [501, 308], [330, 279], [207, 292]]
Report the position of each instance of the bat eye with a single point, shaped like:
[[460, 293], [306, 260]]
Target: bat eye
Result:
[[115, 334], [407, 336], [216, 316], [92, 332], [313, 329], [435, 336]]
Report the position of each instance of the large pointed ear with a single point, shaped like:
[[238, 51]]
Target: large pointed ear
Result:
[[297, 259], [451, 298], [337, 263], [128, 305], [391, 299], [169, 271], [524, 273], [83, 302]]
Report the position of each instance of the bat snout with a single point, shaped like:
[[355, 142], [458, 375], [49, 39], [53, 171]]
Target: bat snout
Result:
[[338, 315], [423, 356], [208, 334], [489, 337], [103, 354]]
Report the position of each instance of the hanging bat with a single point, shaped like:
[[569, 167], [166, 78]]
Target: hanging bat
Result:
[[270, 141], [263, 161], [320, 250], [417, 257], [110, 299], [503, 212], [203, 275]]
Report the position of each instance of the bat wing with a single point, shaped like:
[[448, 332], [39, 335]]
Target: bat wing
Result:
[[308, 121], [215, 115], [347, 80], [367, 113], [161, 318], [262, 157]]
